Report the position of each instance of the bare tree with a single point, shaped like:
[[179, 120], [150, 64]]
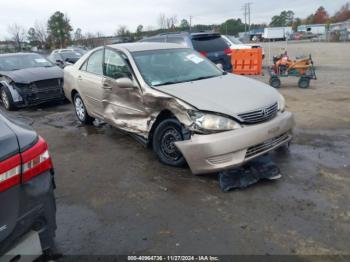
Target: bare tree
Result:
[[171, 21], [41, 32], [122, 31], [17, 34], [162, 21]]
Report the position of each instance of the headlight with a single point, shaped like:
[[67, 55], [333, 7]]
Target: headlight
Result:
[[213, 122], [281, 103]]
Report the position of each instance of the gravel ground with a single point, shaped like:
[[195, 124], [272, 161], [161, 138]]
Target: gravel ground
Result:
[[114, 197]]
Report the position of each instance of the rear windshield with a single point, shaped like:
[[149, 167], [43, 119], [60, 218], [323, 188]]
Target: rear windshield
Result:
[[209, 44]]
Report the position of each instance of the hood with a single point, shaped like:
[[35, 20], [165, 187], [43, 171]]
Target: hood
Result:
[[28, 75], [228, 94]]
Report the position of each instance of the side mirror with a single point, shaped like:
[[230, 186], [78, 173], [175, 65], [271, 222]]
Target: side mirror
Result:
[[125, 82], [220, 66]]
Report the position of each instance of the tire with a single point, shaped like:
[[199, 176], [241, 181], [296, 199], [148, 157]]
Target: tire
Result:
[[304, 82], [6, 99], [80, 110], [164, 135], [275, 82]]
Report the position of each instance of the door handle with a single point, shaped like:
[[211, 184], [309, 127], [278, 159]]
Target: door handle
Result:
[[80, 78], [106, 86]]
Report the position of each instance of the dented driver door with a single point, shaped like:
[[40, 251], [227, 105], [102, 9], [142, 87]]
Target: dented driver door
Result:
[[123, 101]]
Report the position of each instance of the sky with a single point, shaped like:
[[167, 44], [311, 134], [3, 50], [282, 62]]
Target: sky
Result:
[[105, 16]]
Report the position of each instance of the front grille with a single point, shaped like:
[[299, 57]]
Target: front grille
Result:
[[259, 115], [49, 83], [267, 145], [41, 91]]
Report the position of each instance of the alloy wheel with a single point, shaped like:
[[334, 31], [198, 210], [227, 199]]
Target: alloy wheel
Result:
[[5, 99], [79, 108]]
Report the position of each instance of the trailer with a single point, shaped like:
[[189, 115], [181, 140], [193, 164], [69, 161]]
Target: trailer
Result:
[[277, 33]]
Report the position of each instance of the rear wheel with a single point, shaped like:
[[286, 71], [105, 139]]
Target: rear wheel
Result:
[[304, 82], [275, 82], [80, 110], [6, 99], [165, 135]]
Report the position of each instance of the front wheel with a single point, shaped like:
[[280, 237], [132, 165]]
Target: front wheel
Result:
[[304, 82], [165, 135], [275, 82], [6, 99], [80, 111]]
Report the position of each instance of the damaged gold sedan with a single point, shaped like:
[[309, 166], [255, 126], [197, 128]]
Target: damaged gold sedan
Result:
[[179, 103]]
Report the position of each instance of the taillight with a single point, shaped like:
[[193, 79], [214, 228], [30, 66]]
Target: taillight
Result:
[[36, 160], [203, 53], [228, 51], [10, 172]]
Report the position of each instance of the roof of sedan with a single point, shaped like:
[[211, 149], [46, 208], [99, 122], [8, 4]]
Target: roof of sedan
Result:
[[144, 46]]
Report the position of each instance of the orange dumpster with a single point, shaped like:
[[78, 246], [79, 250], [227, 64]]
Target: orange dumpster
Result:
[[247, 61]]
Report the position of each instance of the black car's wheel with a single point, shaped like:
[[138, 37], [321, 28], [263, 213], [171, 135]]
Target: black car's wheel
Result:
[[275, 82], [6, 99], [304, 82], [80, 110], [165, 134]]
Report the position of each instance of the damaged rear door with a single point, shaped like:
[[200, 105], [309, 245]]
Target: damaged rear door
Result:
[[123, 100]]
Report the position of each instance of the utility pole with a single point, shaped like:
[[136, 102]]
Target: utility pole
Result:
[[244, 7], [246, 12]]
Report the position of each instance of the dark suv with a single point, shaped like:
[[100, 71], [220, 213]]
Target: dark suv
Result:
[[209, 44], [28, 207]]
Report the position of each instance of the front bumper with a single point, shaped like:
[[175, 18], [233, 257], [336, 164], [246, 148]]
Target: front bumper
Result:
[[220, 151]]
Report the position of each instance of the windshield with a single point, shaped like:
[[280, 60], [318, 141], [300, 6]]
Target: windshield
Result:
[[234, 40], [22, 61], [70, 55], [171, 66]]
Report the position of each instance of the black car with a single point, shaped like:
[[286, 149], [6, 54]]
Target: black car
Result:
[[29, 79], [64, 57], [209, 44], [28, 207]]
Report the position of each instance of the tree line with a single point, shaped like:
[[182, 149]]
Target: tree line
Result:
[[57, 32]]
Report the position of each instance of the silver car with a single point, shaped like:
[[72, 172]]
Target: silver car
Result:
[[179, 103]]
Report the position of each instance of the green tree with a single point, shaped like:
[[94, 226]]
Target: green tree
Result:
[[284, 19], [184, 25], [59, 29], [31, 36], [231, 27], [297, 21]]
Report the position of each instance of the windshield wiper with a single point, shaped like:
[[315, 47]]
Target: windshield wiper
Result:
[[169, 83], [201, 78]]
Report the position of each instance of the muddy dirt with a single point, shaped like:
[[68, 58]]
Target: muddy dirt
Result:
[[114, 197]]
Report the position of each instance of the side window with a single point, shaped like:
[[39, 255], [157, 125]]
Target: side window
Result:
[[176, 40], [94, 63], [115, 66]]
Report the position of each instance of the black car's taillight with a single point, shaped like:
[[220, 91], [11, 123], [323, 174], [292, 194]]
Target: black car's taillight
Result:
[[36, 160], [228, 51], [31, 163], [10, 172]]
